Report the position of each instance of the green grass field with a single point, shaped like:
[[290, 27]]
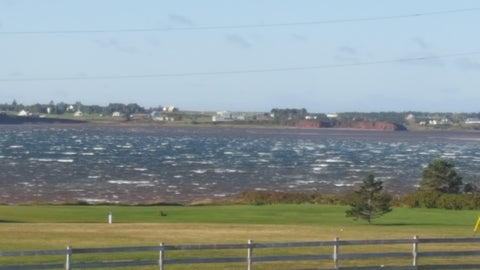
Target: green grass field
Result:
[[55, 227]]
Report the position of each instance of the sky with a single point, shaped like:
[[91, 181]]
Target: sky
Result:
[[244, 55]]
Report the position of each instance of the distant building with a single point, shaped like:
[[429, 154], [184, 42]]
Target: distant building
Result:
[[116, 114], [332, 115], [158, 116], [24, 113], [410, 117], [226, 116], [78, 114], [223, 116], [170, 109], [70, 108], [444, 121], [472, 121]]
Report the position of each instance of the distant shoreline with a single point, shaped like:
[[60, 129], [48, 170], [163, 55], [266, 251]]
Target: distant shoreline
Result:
[[8, 120], [19, 120]]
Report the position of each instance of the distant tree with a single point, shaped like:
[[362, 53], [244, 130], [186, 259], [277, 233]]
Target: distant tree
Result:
[[134, 108], [78, 106], [38, 108], [370, 201], [282, 116], [60, 108], [440, 176]]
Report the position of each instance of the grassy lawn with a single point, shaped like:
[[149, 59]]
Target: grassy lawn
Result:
[[281, 214], [55, 227], [324, 221]]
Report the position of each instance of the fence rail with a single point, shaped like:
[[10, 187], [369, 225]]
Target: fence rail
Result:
[[335, 257]]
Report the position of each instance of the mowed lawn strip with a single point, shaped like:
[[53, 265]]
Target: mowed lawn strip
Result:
[[280, 214], [27, 227], [55, 227]]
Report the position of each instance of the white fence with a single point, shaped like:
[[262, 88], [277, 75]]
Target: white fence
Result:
[[336, 257]]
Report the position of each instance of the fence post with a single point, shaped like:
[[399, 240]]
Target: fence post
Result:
[[415, 250], [335, 253], [249, 254], [68, 261], [161, 256]]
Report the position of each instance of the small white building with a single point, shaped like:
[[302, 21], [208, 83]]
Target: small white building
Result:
[[158, 116], [472, 121], [78, 114], [116, 114], [24, 113], [410, 117], [226, 116], [170, 109], [70, 108]]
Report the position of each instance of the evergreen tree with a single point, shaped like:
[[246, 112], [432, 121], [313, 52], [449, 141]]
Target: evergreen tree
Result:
[[440, 176], [370, 201]]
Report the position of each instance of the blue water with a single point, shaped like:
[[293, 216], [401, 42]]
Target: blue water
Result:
[[184, 164]]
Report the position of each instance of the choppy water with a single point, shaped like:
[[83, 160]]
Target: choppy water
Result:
[[182, 164]]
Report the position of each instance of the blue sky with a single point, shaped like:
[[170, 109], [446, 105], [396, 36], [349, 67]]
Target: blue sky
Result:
[[352, 57]]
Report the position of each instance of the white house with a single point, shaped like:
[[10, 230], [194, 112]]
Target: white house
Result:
[[78, 114], [70, 108], [472, 121], [24, 113], [170, 109], [116, 114]]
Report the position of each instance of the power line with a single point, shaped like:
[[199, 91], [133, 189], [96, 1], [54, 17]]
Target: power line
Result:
[[235, 72], [239, 26]]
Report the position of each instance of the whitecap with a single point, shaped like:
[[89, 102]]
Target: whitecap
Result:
[[16, 146], [304, 182], [65, 160], [45, 159], [225, 171], [127, 182], [140, 169], [343, 184], [333, 160]]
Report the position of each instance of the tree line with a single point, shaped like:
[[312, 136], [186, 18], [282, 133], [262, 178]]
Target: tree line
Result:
[[62, 108], [441, 187]]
